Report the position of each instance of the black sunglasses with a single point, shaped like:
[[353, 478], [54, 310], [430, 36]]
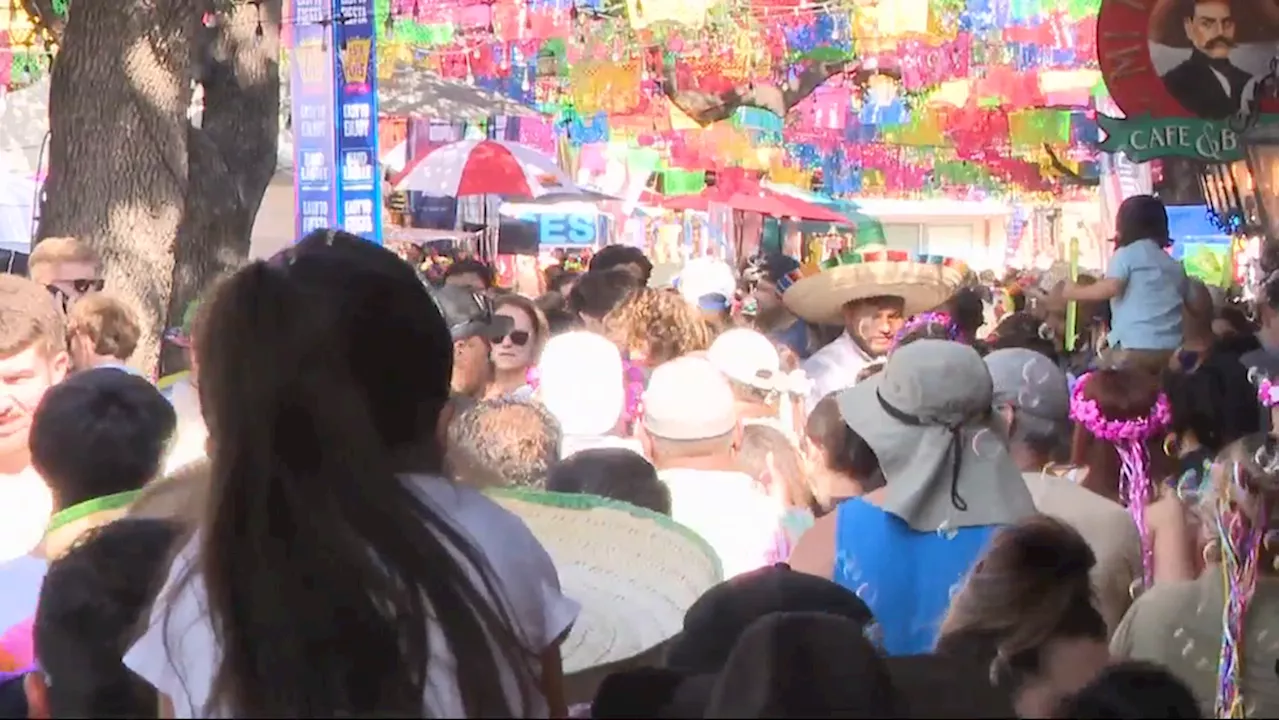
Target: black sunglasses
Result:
[[59, 296], [519, 338], [84, 285]]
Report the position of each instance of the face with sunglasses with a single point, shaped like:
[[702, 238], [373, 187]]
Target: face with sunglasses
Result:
[[514, 350]]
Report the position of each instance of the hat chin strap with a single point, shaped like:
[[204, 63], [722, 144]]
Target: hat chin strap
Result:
[[957, 441]]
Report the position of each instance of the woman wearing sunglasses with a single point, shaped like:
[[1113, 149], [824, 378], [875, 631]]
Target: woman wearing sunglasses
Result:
[[515, 354]]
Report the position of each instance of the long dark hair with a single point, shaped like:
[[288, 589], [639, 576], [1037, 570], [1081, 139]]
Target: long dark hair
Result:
[[323, 374]]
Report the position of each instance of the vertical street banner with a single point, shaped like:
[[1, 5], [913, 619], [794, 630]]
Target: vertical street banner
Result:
[[312, 108], [355, 83]]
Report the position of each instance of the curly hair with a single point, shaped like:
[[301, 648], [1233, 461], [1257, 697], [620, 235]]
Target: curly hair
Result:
[[504, 442], [658, 326]]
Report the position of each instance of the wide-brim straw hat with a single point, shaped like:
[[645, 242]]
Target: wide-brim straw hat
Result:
[[818, 293], [634, 572]]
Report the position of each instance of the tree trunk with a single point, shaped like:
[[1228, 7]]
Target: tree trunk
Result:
[[118, 99], [168, 205], [232, 155]]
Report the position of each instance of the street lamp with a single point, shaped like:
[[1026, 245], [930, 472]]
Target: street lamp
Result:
[[1221, 184], [1261, 149]]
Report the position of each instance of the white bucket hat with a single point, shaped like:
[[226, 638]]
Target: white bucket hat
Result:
[[928, 418], [634, 572]]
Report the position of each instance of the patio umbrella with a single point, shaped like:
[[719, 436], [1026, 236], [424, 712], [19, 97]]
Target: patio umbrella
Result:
[[484, 167], [870, 230]]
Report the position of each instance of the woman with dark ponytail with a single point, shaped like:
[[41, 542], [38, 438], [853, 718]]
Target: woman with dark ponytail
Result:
[[335, 572]]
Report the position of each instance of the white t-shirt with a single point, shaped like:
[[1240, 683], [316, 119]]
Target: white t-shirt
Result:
[[20, 580], [178, 655], [25, 507], [727, 509]]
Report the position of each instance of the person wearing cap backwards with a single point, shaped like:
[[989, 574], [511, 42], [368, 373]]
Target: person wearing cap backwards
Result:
[[473, 325], [870, 293], [950, 484], [689, 430], [772, 317], [709, 285], [1145, 285]]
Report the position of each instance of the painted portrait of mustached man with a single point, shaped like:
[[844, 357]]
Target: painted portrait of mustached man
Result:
[[1216, 57]]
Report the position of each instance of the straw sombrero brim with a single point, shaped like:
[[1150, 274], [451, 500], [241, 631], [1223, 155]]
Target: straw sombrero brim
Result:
[[634, 572], [820, 298]]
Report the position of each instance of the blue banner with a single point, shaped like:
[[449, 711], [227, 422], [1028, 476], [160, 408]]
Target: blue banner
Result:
[[355, 82], [314, 179]]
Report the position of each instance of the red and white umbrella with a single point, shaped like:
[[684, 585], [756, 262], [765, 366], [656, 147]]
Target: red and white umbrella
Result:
[[484, 167]]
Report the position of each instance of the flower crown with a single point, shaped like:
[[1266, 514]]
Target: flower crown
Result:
[[927, 319], [1087, 413]]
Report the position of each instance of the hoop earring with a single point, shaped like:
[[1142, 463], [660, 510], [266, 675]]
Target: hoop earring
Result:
[[1170, 446], [1209, 553]]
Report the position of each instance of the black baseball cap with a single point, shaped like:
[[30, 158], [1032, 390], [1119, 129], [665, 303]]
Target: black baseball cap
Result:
[[469, 313], [777, 266], [714, 623]]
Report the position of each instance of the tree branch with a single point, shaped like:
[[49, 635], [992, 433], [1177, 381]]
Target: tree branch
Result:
[[706, 108], [46, 19], [1069, 176]]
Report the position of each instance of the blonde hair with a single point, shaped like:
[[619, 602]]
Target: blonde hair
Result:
[[762, 439], [659, 324], [108, 323], [30, 318], [54, 250]]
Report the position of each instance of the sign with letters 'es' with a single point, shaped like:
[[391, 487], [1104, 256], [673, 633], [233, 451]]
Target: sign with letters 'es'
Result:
[[335, 117], [566, 229], [1189, 75]]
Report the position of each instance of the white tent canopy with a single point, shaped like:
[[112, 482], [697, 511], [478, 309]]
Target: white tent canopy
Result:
[[18, 198]]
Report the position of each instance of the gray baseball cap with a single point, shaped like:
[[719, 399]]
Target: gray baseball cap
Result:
[[1030, 382]]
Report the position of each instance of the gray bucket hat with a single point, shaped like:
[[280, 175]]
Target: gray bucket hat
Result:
[[942, 449]]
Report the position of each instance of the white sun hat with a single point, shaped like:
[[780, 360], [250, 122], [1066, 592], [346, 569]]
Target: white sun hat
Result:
[[634, 572], [580, 380]]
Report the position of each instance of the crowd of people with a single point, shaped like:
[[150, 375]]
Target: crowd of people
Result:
[[878, 486]]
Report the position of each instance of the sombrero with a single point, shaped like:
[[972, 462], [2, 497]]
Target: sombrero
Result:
[[634, 572], [817, 292], [1255, 22]]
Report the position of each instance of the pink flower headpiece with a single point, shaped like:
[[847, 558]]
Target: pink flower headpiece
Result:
[[928, 319], [1129, 437], [1268, 393]]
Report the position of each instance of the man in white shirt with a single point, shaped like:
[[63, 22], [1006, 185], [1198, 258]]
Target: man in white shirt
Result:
[[870, 292], [1030, 392], [33, 358], [690, 432]]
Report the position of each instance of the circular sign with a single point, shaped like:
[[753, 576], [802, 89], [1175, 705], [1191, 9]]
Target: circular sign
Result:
[[1206, 59]]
